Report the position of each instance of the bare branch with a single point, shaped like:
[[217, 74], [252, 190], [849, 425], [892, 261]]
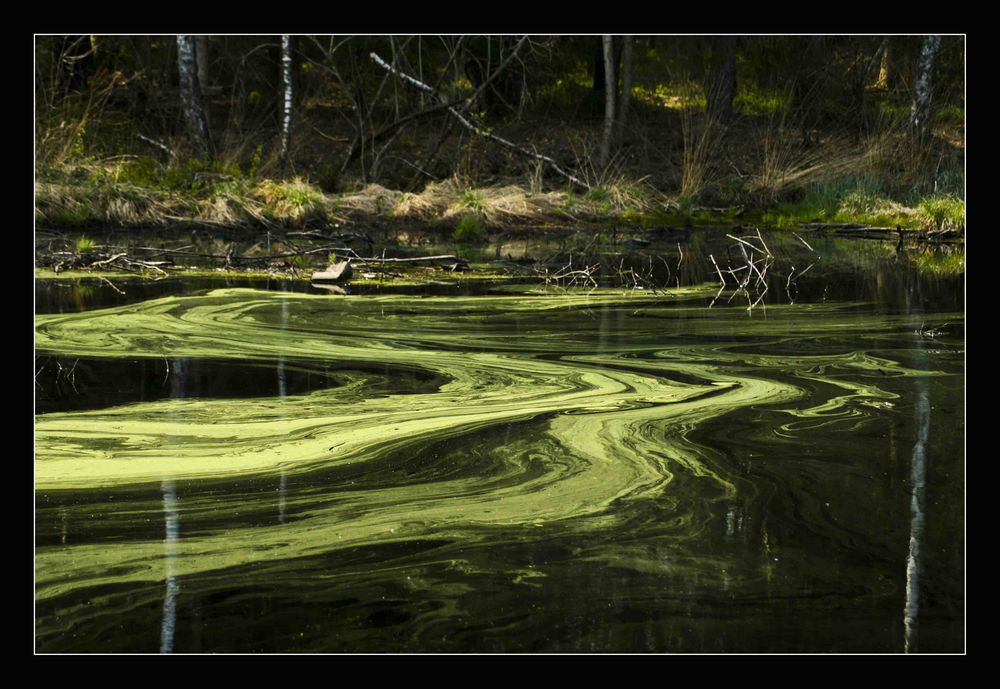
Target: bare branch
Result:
[[474, 128]]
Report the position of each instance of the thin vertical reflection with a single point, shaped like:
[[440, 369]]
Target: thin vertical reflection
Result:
[[282, 394], [172, 520], [918, 471]]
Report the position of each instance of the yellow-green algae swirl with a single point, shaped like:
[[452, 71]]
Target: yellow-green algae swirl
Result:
[[609, 385]]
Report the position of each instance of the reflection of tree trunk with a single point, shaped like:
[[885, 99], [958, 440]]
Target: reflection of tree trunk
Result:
[[191, 103], [722, 81], [282, 395], [171, 518], [918, 475], [920, 110], [626, 95], [610, 86]]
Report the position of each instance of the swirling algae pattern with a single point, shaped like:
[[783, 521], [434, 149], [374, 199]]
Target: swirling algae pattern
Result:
[[602, 388]]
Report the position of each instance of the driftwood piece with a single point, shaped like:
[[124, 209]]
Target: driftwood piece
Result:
[[447, 258], [832, 226], [338, 272]]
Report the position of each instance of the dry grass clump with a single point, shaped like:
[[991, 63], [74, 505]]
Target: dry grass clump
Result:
[[374, 199], [296, 200], [116, 205], [452, 199], [431, 203], [225, 209]]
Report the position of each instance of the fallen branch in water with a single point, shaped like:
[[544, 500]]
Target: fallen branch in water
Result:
[[415, 259]]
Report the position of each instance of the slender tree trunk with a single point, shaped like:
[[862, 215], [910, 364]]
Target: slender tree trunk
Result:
[[883, 81], [920, 110], [626, 96], [201, 51], [597, 81], [722, 81], [287, 93], [194, 110], [610, 86]]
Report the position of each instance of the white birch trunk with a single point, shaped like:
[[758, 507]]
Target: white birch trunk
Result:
[[194, 111], [286, 84], [920, 111]]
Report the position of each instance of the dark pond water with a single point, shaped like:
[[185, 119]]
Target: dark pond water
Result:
[[482, 466]]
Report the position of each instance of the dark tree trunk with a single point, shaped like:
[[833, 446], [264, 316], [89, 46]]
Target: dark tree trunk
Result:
[[598, 72], [597, 81], [195, 120], [722, 80], [610, 86], [626, 95], [810, 81], [202, 54]]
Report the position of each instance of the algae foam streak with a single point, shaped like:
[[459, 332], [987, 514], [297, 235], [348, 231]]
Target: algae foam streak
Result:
[[534, 471]]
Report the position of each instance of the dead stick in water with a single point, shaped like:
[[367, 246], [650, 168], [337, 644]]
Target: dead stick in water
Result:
[[755, 248], [717, 269], [804, 242], [766, 250], [112, 285]]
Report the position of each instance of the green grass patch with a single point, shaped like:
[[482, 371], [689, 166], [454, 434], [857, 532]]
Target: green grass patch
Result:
[[943, 212], [472, 199], [84, 244], [949, 115], [851, 199], [752, 99], [470, 229], [296, 200]]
